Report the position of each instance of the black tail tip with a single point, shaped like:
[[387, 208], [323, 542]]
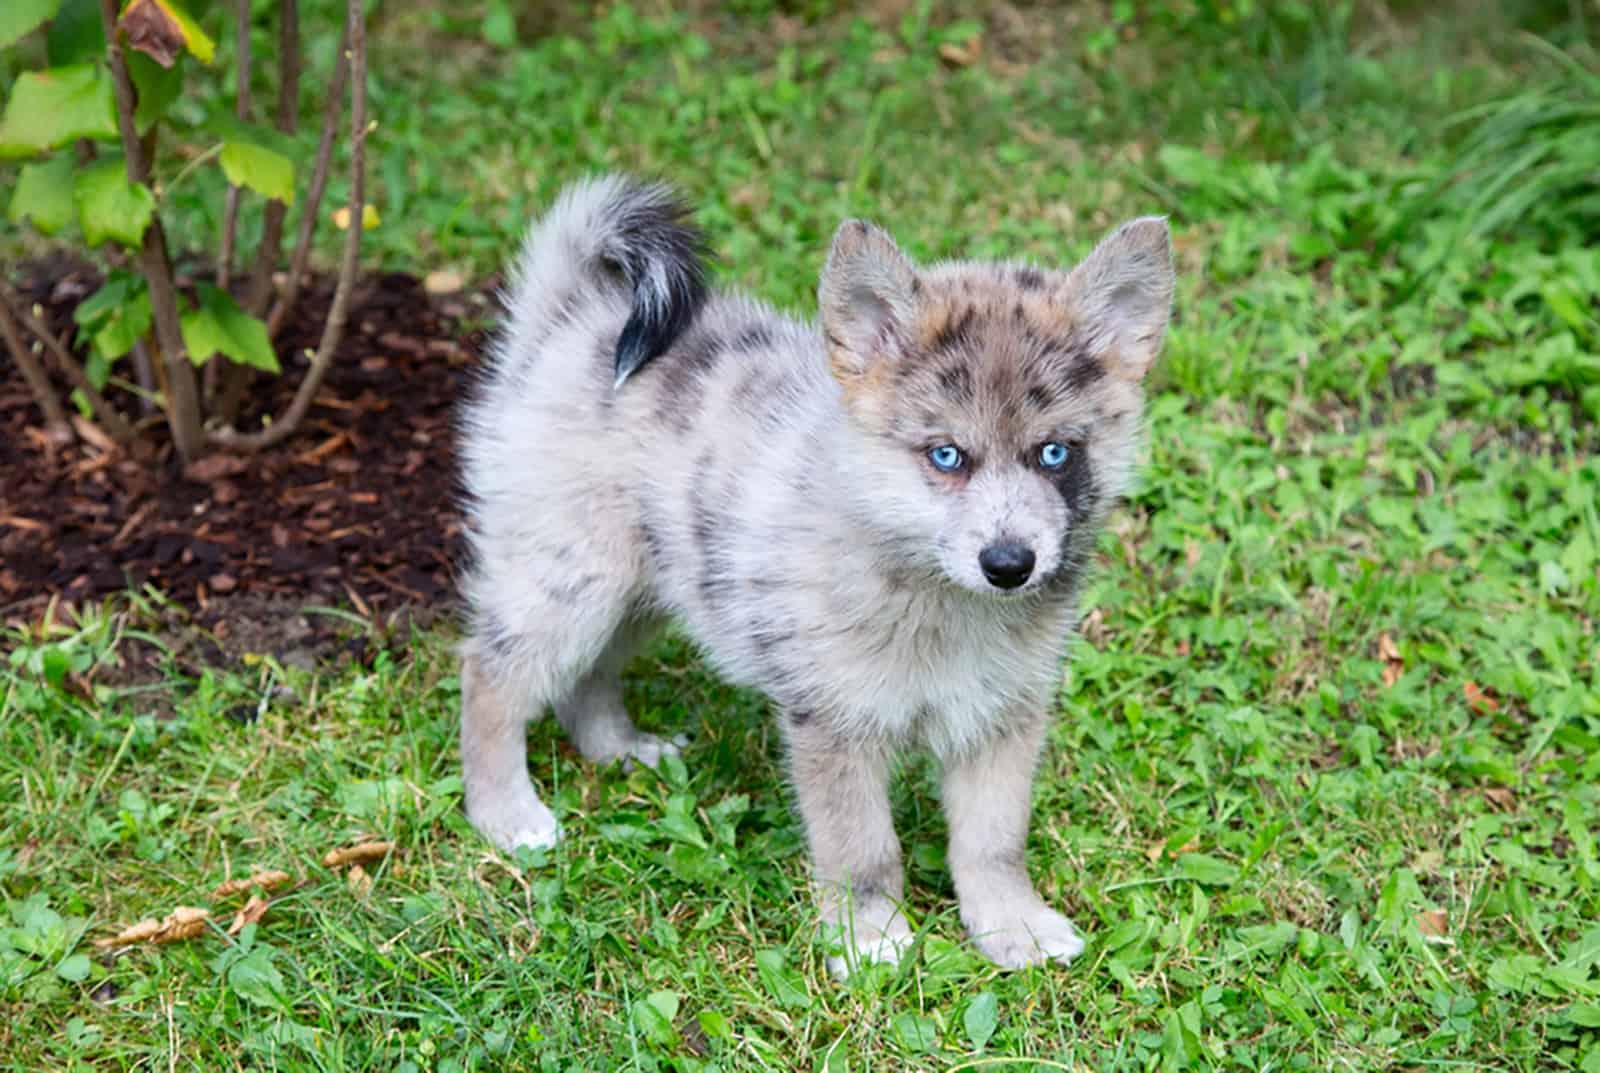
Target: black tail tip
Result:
[[663, 256]]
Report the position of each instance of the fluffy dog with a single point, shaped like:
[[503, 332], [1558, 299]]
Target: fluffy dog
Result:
[[881, 520]]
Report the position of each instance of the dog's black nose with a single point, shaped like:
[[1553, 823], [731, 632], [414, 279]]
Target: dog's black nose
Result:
[[1006, 565]]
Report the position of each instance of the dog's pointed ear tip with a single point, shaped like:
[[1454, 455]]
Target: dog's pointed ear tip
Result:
[[1156, 230], [856, 233]]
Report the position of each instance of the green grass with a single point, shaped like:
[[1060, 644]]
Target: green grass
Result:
[[1366, 503]]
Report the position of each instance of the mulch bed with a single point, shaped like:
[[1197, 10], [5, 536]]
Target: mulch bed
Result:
[[357, 510]]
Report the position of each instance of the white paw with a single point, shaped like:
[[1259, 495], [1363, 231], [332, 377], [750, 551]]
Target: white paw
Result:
[[520, 821], [648, 749], [1032, 937], [877, 933]]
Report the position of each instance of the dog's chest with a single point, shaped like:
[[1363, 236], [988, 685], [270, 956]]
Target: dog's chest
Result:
[[937, 669]]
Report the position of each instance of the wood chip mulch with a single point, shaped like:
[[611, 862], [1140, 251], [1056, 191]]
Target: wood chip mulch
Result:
[[358, 510]]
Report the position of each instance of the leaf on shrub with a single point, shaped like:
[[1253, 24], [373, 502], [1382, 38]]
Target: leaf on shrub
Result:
[[361, 853], [77, 34], [44, 195], [369, 218], [184, 922], [268, 173], [158, 87], [161, 29], [56, 106], [18, 17], [268, 880], [114, 318], [219, 326], [110, 208]]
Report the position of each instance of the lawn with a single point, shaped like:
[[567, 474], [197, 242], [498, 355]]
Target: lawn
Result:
[[1325, 786]]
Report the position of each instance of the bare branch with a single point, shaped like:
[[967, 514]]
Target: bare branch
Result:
[[241, 108], [333, 327], [258, 295], [55, 418], [115, 425], [319, 184], [181, 398], [144, 374], [271, 248]]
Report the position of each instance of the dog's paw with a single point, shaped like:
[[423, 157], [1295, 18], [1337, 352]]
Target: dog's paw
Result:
[[523, 821], [876, 933], [649, 749], [1031, 937]]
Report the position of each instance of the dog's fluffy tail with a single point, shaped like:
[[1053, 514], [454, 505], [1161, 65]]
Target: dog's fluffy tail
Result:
[[607, 232]]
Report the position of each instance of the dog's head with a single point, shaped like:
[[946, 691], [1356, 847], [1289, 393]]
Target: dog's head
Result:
[[998, 405]]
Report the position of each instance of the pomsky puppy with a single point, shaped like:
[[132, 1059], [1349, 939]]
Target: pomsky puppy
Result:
[[881, 520]]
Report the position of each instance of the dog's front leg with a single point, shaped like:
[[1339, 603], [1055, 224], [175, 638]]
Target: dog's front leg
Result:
[[843, 790], [987, 799]]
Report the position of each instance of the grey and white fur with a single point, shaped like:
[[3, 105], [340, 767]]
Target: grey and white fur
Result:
[[641, 450]]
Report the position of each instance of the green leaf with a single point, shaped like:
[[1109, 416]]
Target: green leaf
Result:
[[76, 34], [105, 301], [782, 982], [123, 328], [679, 823], [715, 1025], [158, 87], [44, 195], [1583, 951], [219, 326], [981, 1018], [1203, 868], [916, 1032], [56, 106], [227, 127], [18, 17], [74, 969], [268, 173], [110, 208], [654, 1017], [500, 25], [256, 979]]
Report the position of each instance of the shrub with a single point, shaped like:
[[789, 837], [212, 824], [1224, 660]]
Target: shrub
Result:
[[88, 129]]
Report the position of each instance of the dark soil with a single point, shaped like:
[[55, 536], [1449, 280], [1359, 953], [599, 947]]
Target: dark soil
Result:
[[357, 510]]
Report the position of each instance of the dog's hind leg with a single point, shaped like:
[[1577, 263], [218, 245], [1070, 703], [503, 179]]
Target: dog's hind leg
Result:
[[518, 662], [594, 716]]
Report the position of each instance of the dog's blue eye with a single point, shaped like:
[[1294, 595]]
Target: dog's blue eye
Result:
[[946, 457], [1053, 455]]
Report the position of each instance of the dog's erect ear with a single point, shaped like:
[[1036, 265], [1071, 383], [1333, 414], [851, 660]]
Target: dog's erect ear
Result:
[[1122, 295], [867, 298]]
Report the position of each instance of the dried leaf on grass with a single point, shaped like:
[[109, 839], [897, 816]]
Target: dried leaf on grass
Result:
[[360, 853], [268, 880], [1480, 701], [184, 922], [964, 54], [1501, 797], [1434, 922], [1393, 663], [359, 882], [253, 910], [1154, 850]]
